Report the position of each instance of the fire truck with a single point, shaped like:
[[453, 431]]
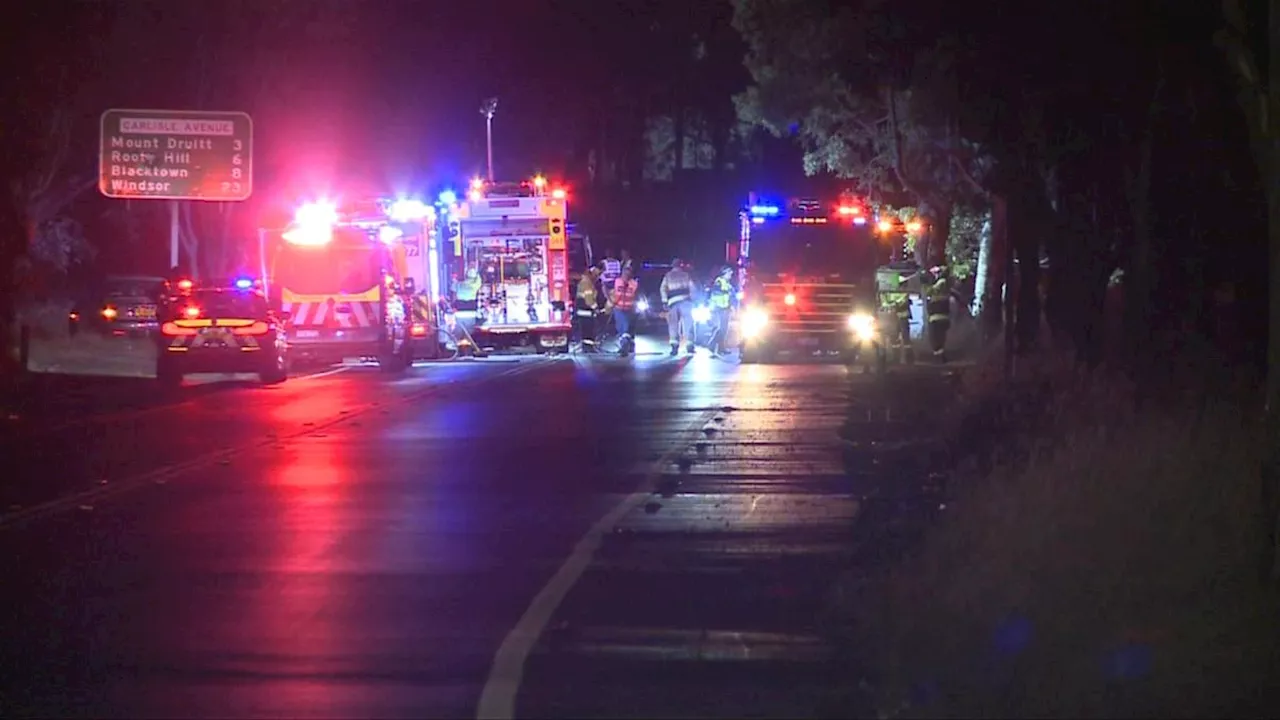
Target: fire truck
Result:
[[807, 277], [511, 240], [356, 281]]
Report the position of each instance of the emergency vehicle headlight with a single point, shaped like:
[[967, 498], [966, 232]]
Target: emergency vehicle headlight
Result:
[[702, 314], [642, 305], [244, 284], [754, 322], [863, 326], [408, 210], [388, 234]]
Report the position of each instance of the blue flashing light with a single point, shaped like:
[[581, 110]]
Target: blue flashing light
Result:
[[448, 197], [244, 284], [765, 210]]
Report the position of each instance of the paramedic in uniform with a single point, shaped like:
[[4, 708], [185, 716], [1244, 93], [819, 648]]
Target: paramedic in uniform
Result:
[[677, 297], [585, 305], [467, 290], [721, 299]]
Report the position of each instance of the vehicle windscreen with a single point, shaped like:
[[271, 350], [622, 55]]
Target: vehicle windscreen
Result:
[[353, 266], [229, 303], [814, 250]]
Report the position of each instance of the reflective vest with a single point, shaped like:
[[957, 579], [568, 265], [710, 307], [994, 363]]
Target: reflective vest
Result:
[[898, 302], [721, 293], [467, 289], [677, 286], [938, 306], [612, 269], [624, 293]]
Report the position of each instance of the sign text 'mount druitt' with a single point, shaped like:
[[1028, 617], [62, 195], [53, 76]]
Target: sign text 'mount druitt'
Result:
[[176, 155]]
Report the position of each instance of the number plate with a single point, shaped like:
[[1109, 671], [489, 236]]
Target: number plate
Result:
[[808, 341], [308, 333], [144, 312]]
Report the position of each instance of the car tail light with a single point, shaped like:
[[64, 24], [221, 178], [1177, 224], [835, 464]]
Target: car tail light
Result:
[[109, 313], [172, 330], [258, 328]]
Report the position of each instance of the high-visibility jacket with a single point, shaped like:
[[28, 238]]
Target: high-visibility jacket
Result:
[[468, 288], [612, 269], [624, 293], [676, 287], [721, 293], [898, 302], [938, 306]]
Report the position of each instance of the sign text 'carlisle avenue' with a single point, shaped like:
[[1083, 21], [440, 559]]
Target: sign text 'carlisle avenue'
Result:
[[176, 155]]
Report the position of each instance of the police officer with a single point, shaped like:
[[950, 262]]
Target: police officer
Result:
[[677, 297], [720, 300], [623, 303], [938, 312], [586, 303]]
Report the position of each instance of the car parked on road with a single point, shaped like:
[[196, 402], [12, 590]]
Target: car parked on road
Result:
[[120, 305]]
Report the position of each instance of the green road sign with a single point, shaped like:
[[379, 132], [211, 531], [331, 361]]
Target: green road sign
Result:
[[176, 155]]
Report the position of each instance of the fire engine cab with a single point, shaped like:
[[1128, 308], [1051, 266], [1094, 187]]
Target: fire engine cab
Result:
[[356, 281], [510, 266]]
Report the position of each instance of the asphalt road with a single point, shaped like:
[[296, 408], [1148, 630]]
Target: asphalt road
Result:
[[527, 537]]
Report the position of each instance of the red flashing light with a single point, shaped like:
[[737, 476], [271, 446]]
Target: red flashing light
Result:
[[559, 193], [109, 313], [850, 210], [191, 311], [185, 284], [884, 226], [914, 226]]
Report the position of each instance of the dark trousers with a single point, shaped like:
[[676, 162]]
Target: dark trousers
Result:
[[586, 324], [938, 335]]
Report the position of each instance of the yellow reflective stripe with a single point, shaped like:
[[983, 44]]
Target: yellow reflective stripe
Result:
[[236, 322], [193, 323], [373, 294]]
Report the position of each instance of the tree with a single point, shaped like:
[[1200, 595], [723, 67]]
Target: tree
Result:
[[1259, 99]]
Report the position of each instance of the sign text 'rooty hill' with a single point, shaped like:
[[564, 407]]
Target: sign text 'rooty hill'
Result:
[[176, 155]]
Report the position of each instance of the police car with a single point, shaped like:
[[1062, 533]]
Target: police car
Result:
[[223, 328]]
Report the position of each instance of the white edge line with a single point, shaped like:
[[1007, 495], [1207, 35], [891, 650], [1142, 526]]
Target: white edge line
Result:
[[498, 698]]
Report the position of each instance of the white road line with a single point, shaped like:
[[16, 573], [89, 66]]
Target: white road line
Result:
[[322, 373], [498, 699]]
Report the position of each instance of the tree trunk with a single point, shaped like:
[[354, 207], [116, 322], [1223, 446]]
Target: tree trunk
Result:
[[982, 273], [998, 269]]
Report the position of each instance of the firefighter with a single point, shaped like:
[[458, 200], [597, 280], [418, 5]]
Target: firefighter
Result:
[[677, 297], [623, 303], [899, 304], [586, 304], [720, 300], [938, 312]]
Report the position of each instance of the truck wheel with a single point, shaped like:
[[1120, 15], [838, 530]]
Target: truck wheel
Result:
[[277, 373]]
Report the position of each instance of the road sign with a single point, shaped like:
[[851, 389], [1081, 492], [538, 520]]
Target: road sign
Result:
[[176, 155]]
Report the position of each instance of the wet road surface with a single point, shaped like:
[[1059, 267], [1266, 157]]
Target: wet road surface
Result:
[[538, 537]]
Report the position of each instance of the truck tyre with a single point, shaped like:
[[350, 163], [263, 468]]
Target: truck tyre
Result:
[[276, 373]]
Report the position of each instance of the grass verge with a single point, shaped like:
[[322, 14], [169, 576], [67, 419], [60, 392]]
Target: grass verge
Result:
[[1103, 563]]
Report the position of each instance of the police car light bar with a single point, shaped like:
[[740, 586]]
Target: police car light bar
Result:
[[448, 197], [244, 283], [765, 210]]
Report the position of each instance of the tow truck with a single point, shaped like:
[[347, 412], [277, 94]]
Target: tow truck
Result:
[[806, 277], [356, 281], [514, 237]]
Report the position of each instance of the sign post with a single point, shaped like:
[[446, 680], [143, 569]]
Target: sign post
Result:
[[175, 155]]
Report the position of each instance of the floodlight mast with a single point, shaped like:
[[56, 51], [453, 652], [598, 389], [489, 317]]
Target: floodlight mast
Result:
[[488, 109]]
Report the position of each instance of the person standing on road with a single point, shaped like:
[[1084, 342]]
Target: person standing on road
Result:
[[624, 305], [611, 268], [677, 297], [721, 298], [586, 304], [938, 311], [626, 262]]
